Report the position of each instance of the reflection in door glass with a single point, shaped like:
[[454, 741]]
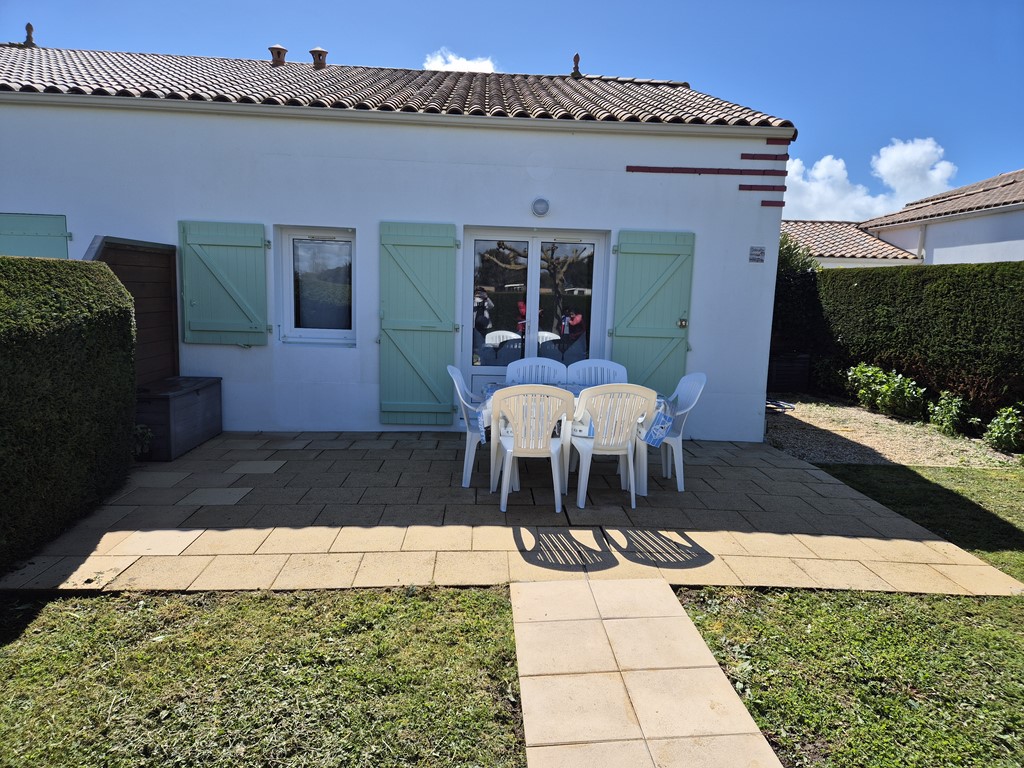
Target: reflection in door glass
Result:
[[499, 300], [566, 293], [510, 321]]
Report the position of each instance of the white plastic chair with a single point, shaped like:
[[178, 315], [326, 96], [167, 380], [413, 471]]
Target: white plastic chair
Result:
[[591, 373], [679, 406], [523, 420], [494, 338], [543, 336], [614, 411], [535, 370], [471, 409]]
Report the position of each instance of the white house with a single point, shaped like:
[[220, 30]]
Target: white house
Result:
[[979, 222], [844, 244], [334, 223]]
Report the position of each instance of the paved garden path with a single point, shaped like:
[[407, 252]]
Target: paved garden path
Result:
[[614, 673]]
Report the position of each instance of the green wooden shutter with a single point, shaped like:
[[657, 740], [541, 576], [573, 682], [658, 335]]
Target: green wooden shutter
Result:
[[652, 296], [31, 234], [223, 283], [417, 322]]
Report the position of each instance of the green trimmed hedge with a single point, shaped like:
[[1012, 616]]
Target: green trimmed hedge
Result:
[[957, 328], [797, 324], [67, 395]]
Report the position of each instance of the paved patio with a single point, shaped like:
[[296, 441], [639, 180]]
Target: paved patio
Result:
[[612, 671], [330, 510]]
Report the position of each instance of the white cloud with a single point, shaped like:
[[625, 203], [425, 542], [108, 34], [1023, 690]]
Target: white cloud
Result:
[[444, 60], [909, 169], [913, 169]]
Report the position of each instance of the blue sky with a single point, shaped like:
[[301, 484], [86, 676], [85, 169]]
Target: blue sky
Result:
[[894, 99]]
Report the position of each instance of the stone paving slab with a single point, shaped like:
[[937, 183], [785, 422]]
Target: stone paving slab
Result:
[[616, 671]]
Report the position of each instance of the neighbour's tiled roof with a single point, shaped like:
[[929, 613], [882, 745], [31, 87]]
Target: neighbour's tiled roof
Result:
[[299, 84], [841, 240], [1004, 189]]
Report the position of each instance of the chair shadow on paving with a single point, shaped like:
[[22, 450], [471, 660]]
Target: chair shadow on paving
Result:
[[559, 550], [652, 547]]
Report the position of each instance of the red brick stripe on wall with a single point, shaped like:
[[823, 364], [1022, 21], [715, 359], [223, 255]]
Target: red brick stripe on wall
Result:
[[762, 187], [753, 156], [778, 142], [701, 171], [773, 203]]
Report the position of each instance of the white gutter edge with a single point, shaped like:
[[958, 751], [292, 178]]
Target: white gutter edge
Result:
[[20, 98]]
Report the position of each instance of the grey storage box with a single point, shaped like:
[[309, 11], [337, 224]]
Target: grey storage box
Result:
[[181, 412]]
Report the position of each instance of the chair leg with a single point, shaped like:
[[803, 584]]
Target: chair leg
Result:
[[640, 470], [556, 479], [495, 464], [506, 479], [467, 465], [632, 478], [677, 454], [566, 455], [584, 479], [666, 466], [623, 468]]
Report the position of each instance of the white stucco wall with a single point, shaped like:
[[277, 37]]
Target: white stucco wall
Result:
[[996, 235], [134, 173]]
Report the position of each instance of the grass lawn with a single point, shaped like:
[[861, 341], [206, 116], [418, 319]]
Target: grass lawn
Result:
[[849, 679], [348, 678]]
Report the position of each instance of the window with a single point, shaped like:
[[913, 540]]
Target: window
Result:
[[316, 284], [532, 296]]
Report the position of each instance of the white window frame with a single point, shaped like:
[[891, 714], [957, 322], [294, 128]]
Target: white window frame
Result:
[[288, 332]]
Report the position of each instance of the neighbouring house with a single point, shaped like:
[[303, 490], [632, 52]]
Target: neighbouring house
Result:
[[845, 244], [980, 222], [333, 224]]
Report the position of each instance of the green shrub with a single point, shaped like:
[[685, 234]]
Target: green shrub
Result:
[[1006, 431], [67, 395], [953, 327], [890, 393], [865, 384], [949, 414], [902, 397]]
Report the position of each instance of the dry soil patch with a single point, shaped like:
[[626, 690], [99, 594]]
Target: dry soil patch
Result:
[[827, 432]]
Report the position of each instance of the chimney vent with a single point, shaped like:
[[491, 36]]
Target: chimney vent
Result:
[[29, 42], [319, 58], [277, 53]]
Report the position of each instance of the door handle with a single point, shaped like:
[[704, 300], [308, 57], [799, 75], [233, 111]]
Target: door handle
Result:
[[683, 322]]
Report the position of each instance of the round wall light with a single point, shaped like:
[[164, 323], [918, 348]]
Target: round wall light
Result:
[[541, 207]]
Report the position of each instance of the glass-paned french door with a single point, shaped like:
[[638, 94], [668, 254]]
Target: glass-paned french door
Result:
[[532, 296]]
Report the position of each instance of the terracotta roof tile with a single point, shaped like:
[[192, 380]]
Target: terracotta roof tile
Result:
[[243, 81], [1004, 189], [841, 240]]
